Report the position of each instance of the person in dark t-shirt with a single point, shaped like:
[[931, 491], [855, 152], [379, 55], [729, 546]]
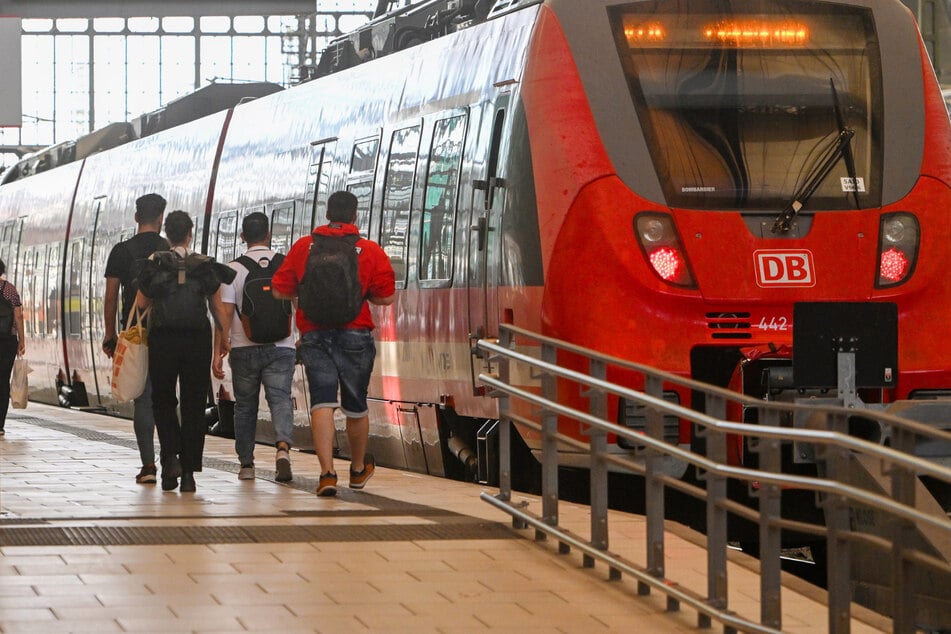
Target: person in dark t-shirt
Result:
[[120, 275]]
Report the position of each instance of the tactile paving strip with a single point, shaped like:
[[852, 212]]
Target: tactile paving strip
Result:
[[152, 535]]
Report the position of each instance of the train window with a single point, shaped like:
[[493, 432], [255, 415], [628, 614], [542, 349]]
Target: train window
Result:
[[225, 231], [439, 203], [744, 117], [363, 190], [15, 251], [39, 289], [364, 155], [52, 290], [318, 185], [74, 304], [397, 198], [27, 294], [282, 227], [360, 180], [7, 239]]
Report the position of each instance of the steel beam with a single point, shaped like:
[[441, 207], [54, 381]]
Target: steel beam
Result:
[[137, 8]]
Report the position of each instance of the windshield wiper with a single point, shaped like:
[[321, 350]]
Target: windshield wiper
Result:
[[839, 148]]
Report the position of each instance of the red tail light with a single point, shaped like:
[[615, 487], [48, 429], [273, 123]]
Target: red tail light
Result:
[[898, 241], [894, 266], [661, 245]]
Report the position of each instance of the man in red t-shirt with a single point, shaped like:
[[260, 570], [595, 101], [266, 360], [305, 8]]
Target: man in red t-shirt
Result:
[[339, 357]]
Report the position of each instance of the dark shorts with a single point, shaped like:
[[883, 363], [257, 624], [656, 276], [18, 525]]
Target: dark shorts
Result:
[[339, 360]]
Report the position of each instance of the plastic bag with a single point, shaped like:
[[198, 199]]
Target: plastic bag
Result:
[[19, 383], [130, 363]]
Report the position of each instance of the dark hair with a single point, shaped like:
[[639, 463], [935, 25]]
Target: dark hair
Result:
[[3, 267], [342, 207], [254, 227], [177, 226], [149, 207]]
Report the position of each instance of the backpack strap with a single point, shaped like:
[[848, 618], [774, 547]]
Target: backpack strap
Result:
[[246, 262]]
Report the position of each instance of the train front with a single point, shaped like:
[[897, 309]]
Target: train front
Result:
[[702, 168]]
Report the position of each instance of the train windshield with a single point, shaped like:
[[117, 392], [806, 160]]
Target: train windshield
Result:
[[747, 104]]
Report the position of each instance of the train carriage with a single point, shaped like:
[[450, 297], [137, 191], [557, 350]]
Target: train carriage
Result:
[[660, 180]]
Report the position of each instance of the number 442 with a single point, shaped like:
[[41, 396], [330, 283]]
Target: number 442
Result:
[[775, 323]]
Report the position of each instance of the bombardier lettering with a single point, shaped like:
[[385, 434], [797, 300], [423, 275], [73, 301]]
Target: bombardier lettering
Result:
[[788, 268]]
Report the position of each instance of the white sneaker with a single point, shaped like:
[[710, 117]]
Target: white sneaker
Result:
[[283, 465], [246, 473]]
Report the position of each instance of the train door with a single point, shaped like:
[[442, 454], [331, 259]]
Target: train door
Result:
[[76, 322], [318, 184], [101, 243], [488, 200]]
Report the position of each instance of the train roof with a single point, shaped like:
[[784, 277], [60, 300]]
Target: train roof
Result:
[[204, 101], [409, 26]]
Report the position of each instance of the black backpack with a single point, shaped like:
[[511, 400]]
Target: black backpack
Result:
[[265, 318], [330, 294], [178, 298], [6, 315]]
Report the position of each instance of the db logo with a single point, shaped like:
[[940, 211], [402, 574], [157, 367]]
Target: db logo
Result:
[[784, 268]]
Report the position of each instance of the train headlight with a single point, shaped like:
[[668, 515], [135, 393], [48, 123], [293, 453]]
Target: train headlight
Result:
[[662, 248], [898, 241]]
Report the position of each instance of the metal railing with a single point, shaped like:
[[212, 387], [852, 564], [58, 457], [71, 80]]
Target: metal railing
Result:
[[838, 456]]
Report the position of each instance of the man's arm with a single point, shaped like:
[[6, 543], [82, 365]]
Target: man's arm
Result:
[[222, 344], [382, 290], [110, 311], [382, 301], [218, 312]]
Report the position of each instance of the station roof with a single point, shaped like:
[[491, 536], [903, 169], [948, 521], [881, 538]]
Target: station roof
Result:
[[152, 8]]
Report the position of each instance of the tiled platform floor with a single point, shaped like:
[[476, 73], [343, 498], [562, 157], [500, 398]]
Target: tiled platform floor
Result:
[[83, 548]]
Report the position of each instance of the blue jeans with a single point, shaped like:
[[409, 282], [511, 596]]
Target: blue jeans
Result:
[[339, 358], [251, 367], [143, 422]]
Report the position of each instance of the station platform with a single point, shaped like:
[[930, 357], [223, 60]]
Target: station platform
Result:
[[85, 548]]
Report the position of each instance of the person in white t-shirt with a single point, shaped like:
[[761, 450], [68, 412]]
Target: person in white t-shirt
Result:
[[256, 364]]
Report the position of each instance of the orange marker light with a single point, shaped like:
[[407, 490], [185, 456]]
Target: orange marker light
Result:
[[757, 34], [641, 33]]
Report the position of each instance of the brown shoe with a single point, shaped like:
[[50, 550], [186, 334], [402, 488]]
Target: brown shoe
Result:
[[327, 485], [358, 479]]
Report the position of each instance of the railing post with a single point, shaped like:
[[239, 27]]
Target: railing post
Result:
[[838, 525], [506, 340], [654, 493], [716, 513], [549, 421], [904, 606], [598, 407], [770, 535]]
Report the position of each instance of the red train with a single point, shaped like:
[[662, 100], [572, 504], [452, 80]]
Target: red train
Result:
[[663, 181]]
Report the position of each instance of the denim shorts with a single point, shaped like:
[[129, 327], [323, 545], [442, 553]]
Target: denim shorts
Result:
[[339, 359]]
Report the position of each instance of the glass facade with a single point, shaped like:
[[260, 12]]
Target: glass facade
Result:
[[80, 74]]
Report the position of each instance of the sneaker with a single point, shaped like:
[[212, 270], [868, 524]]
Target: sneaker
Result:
[[327, 485], [283, 464], [358, 479], [246, 472], [147, 475]]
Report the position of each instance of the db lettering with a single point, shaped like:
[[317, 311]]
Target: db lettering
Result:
[[784, 268]]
